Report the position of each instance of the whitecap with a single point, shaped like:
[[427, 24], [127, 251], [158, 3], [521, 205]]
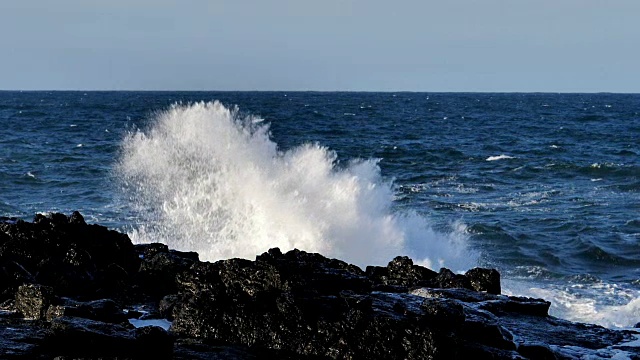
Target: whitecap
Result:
[[472, 206], [499, 157]]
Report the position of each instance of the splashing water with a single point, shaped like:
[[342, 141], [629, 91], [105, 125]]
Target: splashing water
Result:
[[203, 178], [606, 304]]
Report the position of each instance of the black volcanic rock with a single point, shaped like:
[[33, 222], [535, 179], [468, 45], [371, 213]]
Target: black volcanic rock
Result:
[[158, 271], [74, 258], [82, 287], [484, 280], [401, 274], [33, 301], [105, 310]]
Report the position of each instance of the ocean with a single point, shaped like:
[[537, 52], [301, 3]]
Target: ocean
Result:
[[543, 187]]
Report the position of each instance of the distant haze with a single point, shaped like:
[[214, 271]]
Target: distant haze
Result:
[[458, 45]]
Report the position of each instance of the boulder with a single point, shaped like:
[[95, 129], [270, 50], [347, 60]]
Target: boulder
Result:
[[34, 301], [484, 280], [159, 271]]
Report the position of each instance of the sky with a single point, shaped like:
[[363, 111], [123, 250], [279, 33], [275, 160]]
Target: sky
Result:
[[328, 45]]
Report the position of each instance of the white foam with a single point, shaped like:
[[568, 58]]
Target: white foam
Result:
[[605, 304], [499, 157], [204, 179], [632, 343]]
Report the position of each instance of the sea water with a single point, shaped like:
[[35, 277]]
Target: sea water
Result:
[[543, 187]]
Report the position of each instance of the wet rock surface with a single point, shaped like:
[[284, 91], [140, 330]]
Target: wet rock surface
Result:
[[70, 290]]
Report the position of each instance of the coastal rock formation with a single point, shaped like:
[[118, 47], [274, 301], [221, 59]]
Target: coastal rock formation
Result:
[[71, 290]]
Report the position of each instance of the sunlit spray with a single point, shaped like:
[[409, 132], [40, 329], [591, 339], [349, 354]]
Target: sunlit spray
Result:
[[204, 178]]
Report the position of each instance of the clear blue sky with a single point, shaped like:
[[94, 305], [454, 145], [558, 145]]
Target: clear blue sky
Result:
[[445, 45]]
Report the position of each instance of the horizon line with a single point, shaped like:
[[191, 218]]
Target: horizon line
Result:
[[326, 91]]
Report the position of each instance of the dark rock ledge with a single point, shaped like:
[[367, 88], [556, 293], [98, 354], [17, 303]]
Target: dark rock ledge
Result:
[[69, 290]]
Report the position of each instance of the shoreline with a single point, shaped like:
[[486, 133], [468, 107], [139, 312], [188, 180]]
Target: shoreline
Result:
[[66, 284]]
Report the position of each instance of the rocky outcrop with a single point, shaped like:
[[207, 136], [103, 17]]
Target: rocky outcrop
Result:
[[71, 290]]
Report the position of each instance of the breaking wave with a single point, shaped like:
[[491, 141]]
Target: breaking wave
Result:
[[204, 178]]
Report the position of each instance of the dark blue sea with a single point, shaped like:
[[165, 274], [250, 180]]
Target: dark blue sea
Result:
[[543, 187]]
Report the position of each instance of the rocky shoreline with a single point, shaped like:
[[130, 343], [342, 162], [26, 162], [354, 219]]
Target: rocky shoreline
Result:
[[69, 290]]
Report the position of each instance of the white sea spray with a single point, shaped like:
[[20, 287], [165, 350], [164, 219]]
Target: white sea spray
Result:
[[203, 178]]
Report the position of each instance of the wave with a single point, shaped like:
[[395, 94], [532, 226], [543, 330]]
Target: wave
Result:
[[204, 178], [596, 170], [499, 157], [589, 301]]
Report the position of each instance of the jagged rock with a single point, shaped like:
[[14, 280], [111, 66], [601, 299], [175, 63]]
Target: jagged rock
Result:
[[76, 280], [189, 255], [443, 312], [167, 305], [53, 219], [502, 321], [72, 272], [520, 305], [484, 280], [345, 326], [159, 271], [33, 301], [67, 254], [301, 271], [105, 310], [448, 279], [113, 280], [307, 304], [148, 250], [400, 273], [77, 219]]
